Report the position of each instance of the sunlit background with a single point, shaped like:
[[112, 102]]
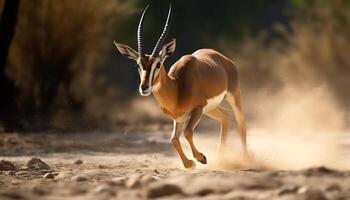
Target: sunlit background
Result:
[[63, 72]]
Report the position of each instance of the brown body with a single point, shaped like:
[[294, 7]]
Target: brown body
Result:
[[195, 79], [195, 85], [185, 91]]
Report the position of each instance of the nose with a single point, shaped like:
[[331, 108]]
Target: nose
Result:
[[145, 89]]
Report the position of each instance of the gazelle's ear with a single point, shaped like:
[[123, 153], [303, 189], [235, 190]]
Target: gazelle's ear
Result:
[[167, 50], [127, 51]]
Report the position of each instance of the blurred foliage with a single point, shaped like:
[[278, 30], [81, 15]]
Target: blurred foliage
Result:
[[313, 57], [59, 45], [68, 73]]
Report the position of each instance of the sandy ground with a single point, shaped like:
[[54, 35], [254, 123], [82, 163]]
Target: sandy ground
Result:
[[144, 166]]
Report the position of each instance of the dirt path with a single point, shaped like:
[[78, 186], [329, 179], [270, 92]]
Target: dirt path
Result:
[[144, 166]]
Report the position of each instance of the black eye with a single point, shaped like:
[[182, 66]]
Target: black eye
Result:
[[158, 65]]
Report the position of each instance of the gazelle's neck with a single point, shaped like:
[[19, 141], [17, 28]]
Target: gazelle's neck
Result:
[[165, 90]]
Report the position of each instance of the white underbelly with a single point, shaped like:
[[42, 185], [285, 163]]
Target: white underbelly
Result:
[[214, 102]]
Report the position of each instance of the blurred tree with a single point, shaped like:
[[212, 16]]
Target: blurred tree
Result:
[[57, 59], [7, 30]]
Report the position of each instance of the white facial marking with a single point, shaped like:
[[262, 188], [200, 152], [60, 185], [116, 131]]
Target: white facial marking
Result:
[[213, 102], [153, 67]]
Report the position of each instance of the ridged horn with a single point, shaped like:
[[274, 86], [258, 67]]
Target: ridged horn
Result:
[[140, 34], [162, 37]]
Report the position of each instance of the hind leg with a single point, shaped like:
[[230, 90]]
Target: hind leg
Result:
[[221, 115], [234, 99]]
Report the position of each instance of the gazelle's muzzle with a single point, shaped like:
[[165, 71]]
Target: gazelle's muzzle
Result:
[[145, 89]]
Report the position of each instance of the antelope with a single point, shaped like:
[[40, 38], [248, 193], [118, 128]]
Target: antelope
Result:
[[195, 85]]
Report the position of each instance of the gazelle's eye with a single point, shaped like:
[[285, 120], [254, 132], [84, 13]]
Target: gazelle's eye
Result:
[[158, 65]]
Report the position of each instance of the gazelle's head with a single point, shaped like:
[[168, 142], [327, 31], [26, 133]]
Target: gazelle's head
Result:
[[148, 65]]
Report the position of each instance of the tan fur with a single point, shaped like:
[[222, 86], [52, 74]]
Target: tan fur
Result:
[[185, 90], [195, 85], [193, 80]]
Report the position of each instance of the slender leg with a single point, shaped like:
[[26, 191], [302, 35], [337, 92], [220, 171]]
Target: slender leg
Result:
[[234, 100], [176, 143], [221, 115], [192, 122]]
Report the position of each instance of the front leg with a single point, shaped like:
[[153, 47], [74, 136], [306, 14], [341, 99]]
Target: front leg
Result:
[[195, 116], [178, 126]]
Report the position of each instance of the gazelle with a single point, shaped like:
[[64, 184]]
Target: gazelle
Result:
[[195, 85]]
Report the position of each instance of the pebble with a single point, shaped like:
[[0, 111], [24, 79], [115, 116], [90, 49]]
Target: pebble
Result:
[[146, 179], [10, 173], [79, 178], [162, 189], [49, 176], [37, 163], [288, 189], [22, 173], [7, 165], [312, 194], [133, 181], [104, 188], [303, 189], [119, 180], [39, 191], [78, 162], [319, 171], [333, 187]]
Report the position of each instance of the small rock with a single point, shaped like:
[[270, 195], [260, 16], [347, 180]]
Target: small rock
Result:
[[319, 171], [78, 162], [303, 189], [312, 194], [133, 181], [288, 189], [49, 176], [79, 178], [37, 163], [104, 188], [22, 173], [7, 165], [119, 180], [10, 173], [146, 179], [162, 189], [39, 191], [333, 187]]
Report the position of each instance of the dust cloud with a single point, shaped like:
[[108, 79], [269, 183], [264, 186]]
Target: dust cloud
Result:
[[295, 128]]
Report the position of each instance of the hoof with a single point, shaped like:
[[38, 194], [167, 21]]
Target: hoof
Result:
[[203, 160], [191, 165]]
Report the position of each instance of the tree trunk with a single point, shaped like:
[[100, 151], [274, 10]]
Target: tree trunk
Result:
[[7, 31]]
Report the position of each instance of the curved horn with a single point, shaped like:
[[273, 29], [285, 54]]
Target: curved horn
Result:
[[140, 34], [163, 35]]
